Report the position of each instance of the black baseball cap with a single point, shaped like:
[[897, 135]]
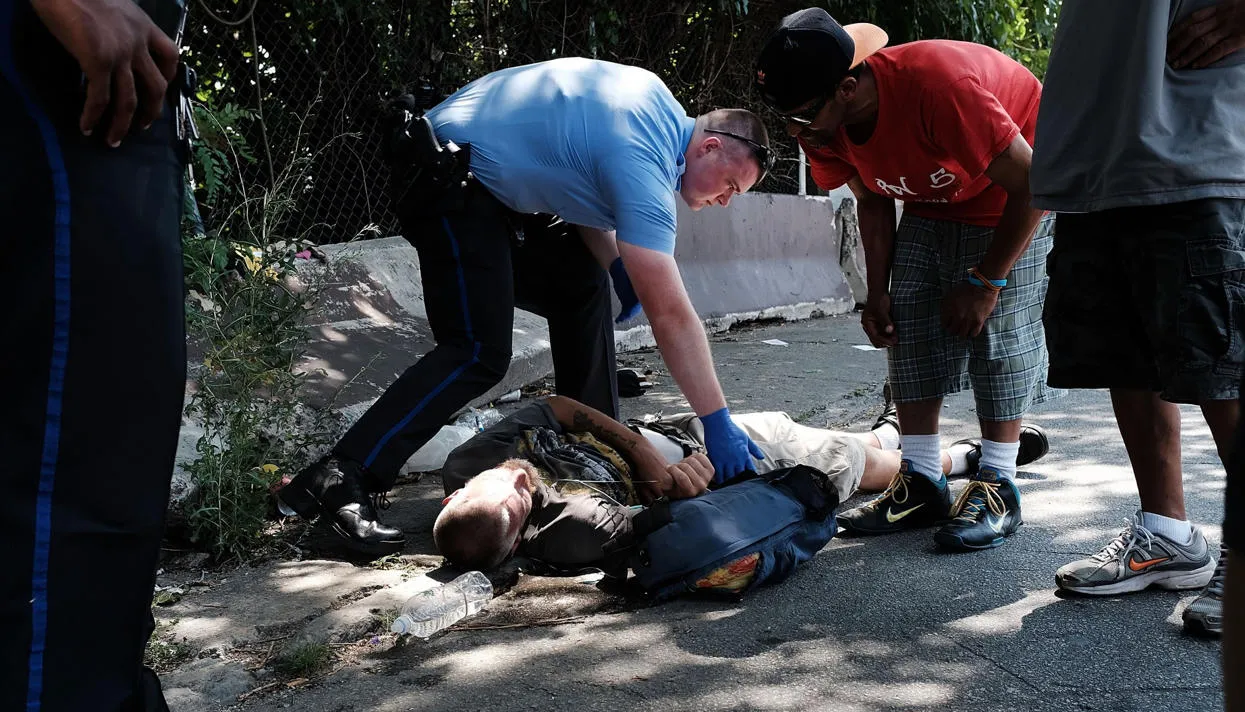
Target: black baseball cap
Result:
[[809, 54]]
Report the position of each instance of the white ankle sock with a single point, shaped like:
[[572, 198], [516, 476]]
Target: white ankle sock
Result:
[[1001, 457], [959, 457], [923, 453], [887, 435], [1178, 530]]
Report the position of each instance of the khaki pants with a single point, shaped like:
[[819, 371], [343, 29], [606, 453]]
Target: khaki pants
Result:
[[786, 443]]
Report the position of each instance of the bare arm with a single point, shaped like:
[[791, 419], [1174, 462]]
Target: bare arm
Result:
[[601, 243], [1015, 229], [966, 308], [653, 477], [676, 328], [877, 234]]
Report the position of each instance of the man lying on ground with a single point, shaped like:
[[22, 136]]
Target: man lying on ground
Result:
[[555, 481]]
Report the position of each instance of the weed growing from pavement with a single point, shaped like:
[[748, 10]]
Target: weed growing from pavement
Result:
[[384, 619], [246, 311], [164, 652], [304, 660]]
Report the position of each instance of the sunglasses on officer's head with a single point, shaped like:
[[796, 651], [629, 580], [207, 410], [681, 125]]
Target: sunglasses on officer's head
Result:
[[765, 157]]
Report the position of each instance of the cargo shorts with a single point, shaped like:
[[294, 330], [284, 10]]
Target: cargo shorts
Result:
[[1150, 298], [786, 443]]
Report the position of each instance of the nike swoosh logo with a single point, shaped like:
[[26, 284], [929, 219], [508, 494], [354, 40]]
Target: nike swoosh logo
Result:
[[892, 517], [1136, 565], [995, 524]]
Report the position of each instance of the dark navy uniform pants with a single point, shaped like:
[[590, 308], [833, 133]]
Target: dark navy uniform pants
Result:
[[92, 367], [478, 261]]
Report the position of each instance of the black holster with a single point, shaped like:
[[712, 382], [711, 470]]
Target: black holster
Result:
[[427, 176]]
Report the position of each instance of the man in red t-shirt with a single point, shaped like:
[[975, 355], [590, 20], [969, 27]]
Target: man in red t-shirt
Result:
[[955, 293]]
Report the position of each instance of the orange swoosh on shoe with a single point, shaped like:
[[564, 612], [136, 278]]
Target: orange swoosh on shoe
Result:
[[1136, 565]]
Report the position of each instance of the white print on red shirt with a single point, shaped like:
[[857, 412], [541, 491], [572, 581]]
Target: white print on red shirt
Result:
[[900, 189], [938, 179]]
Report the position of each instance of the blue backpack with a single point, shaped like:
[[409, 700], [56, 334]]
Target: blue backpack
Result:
[[730, 540]]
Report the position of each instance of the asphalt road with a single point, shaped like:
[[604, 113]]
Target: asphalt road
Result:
[[870, 624]]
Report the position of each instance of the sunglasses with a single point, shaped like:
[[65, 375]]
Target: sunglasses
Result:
[[806, 116], [765, 157]]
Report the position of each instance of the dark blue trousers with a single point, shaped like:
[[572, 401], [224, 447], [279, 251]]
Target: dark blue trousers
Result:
[[92, 362], [478, 261]]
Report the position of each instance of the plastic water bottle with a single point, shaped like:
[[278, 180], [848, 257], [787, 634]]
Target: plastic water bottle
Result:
[[479, 420], [429, 611]]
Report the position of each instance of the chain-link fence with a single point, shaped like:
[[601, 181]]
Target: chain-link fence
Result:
[[311, 81], [303, 82]]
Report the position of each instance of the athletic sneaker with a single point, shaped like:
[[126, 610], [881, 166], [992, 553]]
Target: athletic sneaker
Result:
[[911, 501], [1033, 446], [1204, 616], [985, 513], [1138, 558]]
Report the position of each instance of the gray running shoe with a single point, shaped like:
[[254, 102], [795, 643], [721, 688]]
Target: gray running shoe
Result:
[[1136, 559], [1204, 616]]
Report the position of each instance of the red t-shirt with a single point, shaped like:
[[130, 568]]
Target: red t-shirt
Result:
[[945, 110]]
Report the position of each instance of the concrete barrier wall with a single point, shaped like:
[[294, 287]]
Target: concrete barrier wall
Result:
[[370, 325], [765, 255], [762, 251]]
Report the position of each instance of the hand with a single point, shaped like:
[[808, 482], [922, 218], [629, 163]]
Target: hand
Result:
[[966, 308], [1207, 36], [729, 447], [688, 477], [626, 293], [123, 56], [876, 320]]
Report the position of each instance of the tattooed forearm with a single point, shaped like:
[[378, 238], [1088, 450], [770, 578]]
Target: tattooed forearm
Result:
[[649, 465], [583, 422]]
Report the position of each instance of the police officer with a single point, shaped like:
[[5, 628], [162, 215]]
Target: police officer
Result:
[[540, 181], [94, 353]]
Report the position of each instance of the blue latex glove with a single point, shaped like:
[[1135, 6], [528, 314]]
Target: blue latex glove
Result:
[[728, 446], [626, 293]]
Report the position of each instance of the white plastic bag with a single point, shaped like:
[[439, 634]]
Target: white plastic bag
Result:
[[434, 452]]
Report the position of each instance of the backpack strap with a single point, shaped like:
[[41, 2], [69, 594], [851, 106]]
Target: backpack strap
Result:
[[651, 518], [810, 486], [648, 520]]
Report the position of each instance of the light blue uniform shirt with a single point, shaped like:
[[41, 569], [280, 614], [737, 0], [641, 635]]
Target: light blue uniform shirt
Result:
[[595, 143]]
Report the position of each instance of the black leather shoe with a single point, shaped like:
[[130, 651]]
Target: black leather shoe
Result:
[[889, 416], [1033, 446], [332, 490]]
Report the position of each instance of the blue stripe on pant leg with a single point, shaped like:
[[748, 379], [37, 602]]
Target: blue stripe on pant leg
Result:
[[462, 281], [475, 354], [60, 351]]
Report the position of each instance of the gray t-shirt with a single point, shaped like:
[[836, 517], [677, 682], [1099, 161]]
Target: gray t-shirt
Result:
[[1118, 127]]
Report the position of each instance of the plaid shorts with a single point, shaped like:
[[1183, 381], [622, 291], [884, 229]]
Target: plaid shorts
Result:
[[1005, 364]]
